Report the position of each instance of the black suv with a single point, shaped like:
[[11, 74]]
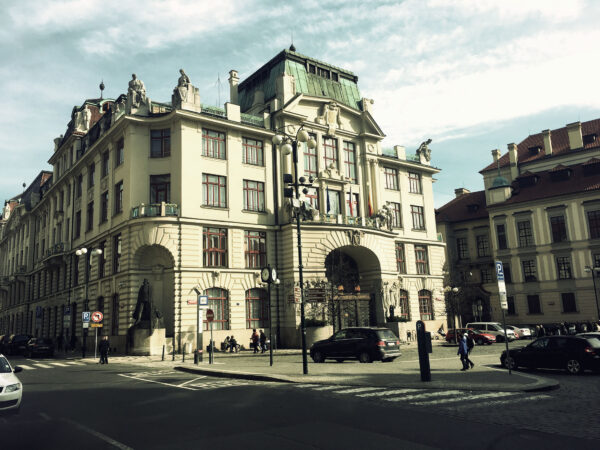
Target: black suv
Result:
[[572, 353], [365, 344]]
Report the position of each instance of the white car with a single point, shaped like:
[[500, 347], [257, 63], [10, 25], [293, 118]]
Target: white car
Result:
[[521, 332], [11, 389]]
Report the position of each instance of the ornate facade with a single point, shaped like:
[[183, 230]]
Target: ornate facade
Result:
[[190, 197]]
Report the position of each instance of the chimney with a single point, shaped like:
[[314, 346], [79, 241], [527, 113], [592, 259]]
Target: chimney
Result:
[[461, 191], [575, 137], [233, 86], [513, 156], [496, 155], [400, 151], [547, 142]]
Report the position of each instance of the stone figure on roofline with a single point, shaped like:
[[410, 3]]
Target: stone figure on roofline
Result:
[[425, 150], [136, 91]]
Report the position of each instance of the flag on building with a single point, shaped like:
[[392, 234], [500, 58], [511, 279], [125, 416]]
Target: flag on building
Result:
[[350, 202], [370, 206]]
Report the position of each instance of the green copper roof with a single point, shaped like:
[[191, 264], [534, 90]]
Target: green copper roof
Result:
[[344, 90]]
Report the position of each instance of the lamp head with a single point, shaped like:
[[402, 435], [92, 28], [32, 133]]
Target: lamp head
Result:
[[286, 149], [97, 251], [277, 139], [311, 143], [302, 136]]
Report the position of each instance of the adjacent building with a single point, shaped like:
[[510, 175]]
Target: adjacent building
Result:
[[540, 215], [191, 198]]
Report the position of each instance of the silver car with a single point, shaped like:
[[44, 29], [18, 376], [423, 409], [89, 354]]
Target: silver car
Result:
[[11, 389]]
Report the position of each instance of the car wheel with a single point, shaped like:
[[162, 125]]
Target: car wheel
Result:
[[574, 367], [364, 357], [510, 363], [480, 341], [318, 357]]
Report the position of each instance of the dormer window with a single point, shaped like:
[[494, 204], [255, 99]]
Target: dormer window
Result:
[[535, 149], [473, 208], [560, 175], [529, 180], [590, 138]]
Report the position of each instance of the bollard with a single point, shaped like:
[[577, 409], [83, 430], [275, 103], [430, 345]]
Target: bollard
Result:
[[184, 349], [163, 354], [173, 347], [424, 350], [196, 356]]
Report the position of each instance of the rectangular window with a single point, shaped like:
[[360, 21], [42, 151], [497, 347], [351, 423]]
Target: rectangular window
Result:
[[529, 272], [486, 275], [312, 197], [422, 260], [330, 152], [559, 228], [91, 175], [114, 314], [400, 258], [533, 304], [350, 161], [352, 205], [501, 232], [414, 183], [256, 249], [252, 152], [104, 207], [214, 189], [391, 178], [511, 306], [396, 210], [310, 159], [462, 249], [215, 247], [568, 302], [105, 165], [120, 153], [425, 305], [160, 143], [418, 217], [160, 188], [333, 202], [77, 231], [90, 217], [213, 144], [525, 233], [79, 185], [118, 197], [507, 273], [563, 265], [102, 260], [254, 195], [596, 260], [594, 224], [483, 246], [257, 314], [116, 251]]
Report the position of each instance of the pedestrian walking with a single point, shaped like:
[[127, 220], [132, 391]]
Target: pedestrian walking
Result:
[[470, 345], [254, 340], [104, 346], [263, 341], [463, 352]]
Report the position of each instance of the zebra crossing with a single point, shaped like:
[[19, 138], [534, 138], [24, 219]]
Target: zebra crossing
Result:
[[184, 381], [450, 399], [33, 365]]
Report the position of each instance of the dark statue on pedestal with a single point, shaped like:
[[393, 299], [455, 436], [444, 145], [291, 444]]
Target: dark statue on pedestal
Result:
[[146, 315]]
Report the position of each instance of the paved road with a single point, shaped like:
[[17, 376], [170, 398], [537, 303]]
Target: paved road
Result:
[[70, 404]]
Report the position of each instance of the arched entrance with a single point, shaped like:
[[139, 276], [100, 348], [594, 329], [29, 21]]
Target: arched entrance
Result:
[[155, 263], [352, 273]]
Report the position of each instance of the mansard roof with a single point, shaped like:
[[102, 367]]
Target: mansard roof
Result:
[[469, 206]]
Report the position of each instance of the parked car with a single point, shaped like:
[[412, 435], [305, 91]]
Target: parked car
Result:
[[17, 344], [589, 334], [480, 337], [11, 389], [572, 353], [39, 347], [520, 332], [493, 328], [4, 342], [363, 343]]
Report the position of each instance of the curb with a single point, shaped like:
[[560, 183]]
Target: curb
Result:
[[238, 375]]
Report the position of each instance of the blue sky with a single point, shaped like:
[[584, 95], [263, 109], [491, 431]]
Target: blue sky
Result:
[[473, 75]]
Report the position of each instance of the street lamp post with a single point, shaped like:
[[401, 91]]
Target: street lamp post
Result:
[[289, 144], [452, 293], [594, 271], [86, 302]]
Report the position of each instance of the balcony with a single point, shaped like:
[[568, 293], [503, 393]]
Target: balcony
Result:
[[338, 219], [155, 210], [20, 269], [54, 255]]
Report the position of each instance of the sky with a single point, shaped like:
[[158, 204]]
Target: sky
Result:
[[472, 75]]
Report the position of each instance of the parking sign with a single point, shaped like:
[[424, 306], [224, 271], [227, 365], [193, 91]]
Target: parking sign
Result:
[[85, 316]]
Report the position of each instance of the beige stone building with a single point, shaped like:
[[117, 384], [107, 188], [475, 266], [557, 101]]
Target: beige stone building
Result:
[[540, 215], [191, 198]]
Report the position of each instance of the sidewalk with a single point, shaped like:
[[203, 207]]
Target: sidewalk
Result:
[[402, 373]]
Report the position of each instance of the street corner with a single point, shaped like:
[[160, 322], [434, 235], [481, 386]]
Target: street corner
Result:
[[223, 373]]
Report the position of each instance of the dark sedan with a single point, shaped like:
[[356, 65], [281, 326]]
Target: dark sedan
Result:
[[39, 347], [571, 353], [365, 344], [17, 344]]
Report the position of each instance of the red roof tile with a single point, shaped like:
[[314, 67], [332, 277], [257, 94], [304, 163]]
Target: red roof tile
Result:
[[466, 207]]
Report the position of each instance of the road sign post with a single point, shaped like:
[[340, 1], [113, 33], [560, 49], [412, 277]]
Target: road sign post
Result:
[[210, 316], [96, 318], [201, 304], [503, 304]]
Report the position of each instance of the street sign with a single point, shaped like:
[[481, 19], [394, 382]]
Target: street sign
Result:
[[97, 316], [96, 325], [85, 316], [67, 310], [86, 324], [203, 301], [501, 285], [210, 315]]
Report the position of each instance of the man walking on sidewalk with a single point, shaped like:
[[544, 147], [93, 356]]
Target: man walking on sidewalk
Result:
[[463, 351], [104, 347]]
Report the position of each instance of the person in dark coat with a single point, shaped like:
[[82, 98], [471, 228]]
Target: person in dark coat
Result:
[[254, 340], [104, 346], [463, 352], [263, 341]]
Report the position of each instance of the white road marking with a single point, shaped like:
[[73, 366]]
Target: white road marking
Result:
[[357, 390], [421, 395], [45, 416], [189, 381], [388, 392], [73, 363], [326, 388], [42, 366], [443, 359], [99, 435], [58, 364], [305, 385], [157, 382], [502, 402], [466, 398], [24, 367]]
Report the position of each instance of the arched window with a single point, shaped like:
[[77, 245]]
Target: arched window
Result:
[[257, 313], [218, 301], [425, 305], [404, 305]]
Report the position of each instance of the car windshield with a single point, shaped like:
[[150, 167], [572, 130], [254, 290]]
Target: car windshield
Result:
[[477, 331], [594, 341], [4, 366], [386, 334], [495, 327]]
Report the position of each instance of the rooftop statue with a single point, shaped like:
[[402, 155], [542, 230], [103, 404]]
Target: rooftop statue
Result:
[[136, 91], [425, 150]]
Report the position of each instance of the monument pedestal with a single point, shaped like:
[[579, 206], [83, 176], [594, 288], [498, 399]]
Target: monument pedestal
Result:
[[145, 345]]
